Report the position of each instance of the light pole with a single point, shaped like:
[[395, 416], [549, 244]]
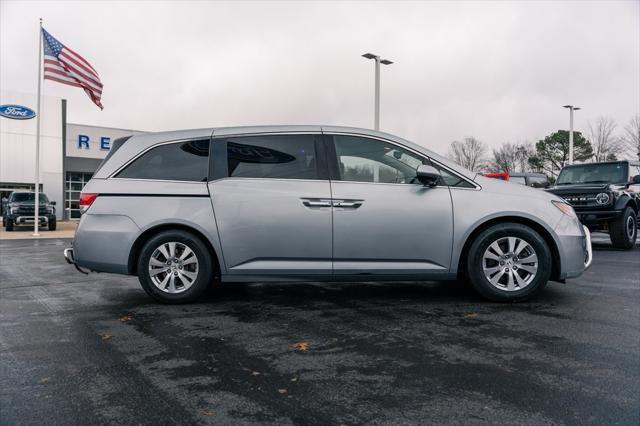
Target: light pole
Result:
[[571, 109], [378, 61]]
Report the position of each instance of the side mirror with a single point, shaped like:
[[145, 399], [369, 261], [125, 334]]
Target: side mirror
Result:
[[53, 203], [427, 175]]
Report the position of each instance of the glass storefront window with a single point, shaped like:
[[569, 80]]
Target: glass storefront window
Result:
[[74, 182]]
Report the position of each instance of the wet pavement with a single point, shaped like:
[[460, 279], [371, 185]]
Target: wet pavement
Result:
[[77, 349]]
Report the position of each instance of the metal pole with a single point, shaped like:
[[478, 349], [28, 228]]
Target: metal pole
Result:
[[36, 203], [376, 124], [571, 135]]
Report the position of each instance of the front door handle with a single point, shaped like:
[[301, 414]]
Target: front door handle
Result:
[[316, 203], [351, 204]]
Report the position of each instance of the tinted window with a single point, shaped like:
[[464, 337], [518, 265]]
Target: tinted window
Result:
[[188, 161], [369, 160], [272, 156]]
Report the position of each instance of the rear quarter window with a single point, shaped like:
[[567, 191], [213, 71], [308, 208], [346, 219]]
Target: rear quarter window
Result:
[[179, 161]]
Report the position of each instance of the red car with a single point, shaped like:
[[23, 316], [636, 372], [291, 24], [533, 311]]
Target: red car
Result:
[[499, 175]]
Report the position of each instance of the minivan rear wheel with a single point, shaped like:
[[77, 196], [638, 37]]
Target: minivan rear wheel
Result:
[[509, 262], [175, 267]]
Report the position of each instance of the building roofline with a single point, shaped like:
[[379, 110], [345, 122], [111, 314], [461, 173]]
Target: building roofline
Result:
[[109, 127]]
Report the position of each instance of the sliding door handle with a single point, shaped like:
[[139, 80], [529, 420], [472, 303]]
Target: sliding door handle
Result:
[[352, 204]]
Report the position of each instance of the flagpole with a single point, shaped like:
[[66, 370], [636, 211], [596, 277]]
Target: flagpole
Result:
[[37, 192]]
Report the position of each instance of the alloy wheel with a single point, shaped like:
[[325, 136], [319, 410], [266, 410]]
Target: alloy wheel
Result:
[[173, 267], [510, 263]]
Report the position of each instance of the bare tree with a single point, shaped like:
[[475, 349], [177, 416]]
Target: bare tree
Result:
[[512, 158], [505, 158], [631, 136], [469, 153], [524, 152], [605, 145]]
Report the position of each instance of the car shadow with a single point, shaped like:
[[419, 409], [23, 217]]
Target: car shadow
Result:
[[388, 293]]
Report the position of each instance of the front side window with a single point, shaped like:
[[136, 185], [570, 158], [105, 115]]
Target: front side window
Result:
[[369, 160], [454, 181], [272, 156], [181, 161]]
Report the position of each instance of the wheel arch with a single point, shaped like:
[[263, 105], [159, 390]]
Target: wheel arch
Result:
[[556, 264], [140, 241], [626, 201]]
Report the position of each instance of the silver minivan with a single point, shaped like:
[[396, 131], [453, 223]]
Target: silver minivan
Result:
[[188, 210]]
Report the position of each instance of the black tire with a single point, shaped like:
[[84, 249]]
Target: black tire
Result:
[[52, 224], [9, 225], [475, 263], [620, 233], [205, 272]]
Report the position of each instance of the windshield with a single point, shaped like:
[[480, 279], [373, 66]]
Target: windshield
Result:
[[593, 173], [22, 197], [518, 179]]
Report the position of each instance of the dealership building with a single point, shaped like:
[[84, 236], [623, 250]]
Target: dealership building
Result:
[[69, 152]]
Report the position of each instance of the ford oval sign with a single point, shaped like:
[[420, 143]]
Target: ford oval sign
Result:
[[17, 112]]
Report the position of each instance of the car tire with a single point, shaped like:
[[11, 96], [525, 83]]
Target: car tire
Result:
[[509, 262], [624, 231], [52, 224], [9, 225], [180, 282]]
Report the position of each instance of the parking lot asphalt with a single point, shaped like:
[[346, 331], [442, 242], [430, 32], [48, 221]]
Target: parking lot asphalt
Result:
[[78, 349]]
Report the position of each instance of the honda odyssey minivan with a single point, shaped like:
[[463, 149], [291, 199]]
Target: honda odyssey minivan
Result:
[[188, 210]]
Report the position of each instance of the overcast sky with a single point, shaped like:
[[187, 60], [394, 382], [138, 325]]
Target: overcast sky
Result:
[[499, 71]]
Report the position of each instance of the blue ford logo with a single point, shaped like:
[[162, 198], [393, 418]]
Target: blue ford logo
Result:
[[17, 112]]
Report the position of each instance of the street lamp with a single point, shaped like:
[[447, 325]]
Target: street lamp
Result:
[[571, 109], [378, 61]]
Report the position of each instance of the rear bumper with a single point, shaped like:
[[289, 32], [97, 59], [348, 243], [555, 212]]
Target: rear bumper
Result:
[[103, 242]]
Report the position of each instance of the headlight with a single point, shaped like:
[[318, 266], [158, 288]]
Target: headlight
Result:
[[565, 208]]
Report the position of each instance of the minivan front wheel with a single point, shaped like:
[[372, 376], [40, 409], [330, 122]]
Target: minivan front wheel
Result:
[[509, 262], [175, 267]]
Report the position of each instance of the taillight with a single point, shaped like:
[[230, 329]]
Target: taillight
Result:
[[86, 200]]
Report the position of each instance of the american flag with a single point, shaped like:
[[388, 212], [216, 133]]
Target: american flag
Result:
[[65, 66]]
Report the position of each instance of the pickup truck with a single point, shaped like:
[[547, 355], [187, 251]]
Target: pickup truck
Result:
[[20, 210]]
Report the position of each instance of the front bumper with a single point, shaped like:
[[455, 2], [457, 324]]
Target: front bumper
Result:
[[29, 220], [592, 217], [588, 249]]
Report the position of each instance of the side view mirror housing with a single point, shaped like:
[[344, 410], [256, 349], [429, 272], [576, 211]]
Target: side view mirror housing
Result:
[[53, 203], [427, 175]]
